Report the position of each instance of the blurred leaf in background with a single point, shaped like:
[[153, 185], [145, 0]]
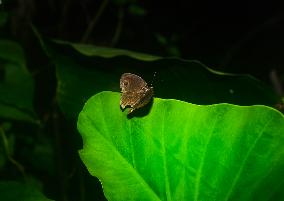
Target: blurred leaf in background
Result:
[[137, 10], [84, 70], [7, 143], [12, 191], [16, 84], [169, 44]]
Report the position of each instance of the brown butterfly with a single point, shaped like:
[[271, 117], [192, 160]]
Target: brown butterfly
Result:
[[135, 92]]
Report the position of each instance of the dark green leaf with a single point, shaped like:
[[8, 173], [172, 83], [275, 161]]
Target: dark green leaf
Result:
[[12, 191], [17, 85], [162, 40], [106, 52], [84, 70], [181, 151], [137, 10]]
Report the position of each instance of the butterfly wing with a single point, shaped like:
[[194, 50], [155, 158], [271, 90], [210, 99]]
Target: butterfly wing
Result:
[[129, 99], [131, 83], [135, 92]]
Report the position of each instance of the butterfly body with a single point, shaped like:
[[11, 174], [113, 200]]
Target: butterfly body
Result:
[[135, 92]]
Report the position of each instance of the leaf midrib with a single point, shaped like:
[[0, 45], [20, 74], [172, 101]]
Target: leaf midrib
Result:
[[199, 172], [138, 176]]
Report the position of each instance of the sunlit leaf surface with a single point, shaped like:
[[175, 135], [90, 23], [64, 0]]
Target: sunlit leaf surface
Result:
[[181, 151]]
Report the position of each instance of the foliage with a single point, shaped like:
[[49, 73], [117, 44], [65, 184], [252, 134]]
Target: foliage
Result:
[[182, 151], [11, 191], [17, 85]]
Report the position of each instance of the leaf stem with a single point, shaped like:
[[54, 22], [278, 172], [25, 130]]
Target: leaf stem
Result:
[[119, 26], [94, 21], [18, 165]]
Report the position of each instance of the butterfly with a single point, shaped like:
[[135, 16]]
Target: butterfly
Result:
[[135, 92]]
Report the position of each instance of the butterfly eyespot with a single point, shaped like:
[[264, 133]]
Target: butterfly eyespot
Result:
[[125, 83]]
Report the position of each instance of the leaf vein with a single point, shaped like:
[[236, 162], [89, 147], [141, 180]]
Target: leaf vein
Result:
[[139, 177], [238, 175], [198, 176]]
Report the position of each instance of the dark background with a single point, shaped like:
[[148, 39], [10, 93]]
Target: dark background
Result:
[[235, 36]]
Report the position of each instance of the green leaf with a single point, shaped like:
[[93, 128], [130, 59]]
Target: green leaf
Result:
[[182, 151], [17, 85], [106, 52], [11, 191]]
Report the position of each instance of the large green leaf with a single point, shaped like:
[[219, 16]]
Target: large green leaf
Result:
[[12, 191], [182, 151], [83, 70], [16, 85]]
